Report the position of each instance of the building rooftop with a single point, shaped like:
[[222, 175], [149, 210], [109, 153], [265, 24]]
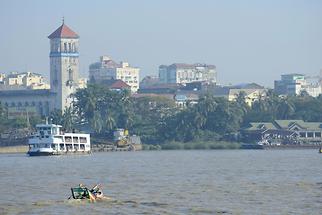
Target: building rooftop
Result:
[[63, 32], [285, 124], [190, 66], [26, 92], [115, 84]]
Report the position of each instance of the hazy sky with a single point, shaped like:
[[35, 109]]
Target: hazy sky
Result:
[[248, 41]]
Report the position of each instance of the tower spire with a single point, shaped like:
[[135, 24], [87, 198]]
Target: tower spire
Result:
[[63, 19]]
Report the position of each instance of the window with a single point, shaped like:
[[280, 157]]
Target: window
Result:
[[75, 139], [70, 73], [83, 139]]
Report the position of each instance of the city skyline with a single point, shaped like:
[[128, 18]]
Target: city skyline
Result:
[[254, 42]]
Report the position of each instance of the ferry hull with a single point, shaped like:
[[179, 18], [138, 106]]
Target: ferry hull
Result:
[[38, 153]]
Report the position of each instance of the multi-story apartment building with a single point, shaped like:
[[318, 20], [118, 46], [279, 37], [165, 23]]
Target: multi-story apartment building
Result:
[[295, 84], [186, 73], [107, 69], [26, 80]]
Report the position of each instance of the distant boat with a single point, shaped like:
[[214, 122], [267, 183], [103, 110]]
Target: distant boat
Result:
[[50, 140], [320, 150]]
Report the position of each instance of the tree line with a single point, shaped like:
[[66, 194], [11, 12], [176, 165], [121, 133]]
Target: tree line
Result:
[[157, 119]]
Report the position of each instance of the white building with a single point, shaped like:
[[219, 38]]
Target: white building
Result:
[[252, 92], [107, 69], [295, 84], [20, 81], [186, 73], [63, 79]]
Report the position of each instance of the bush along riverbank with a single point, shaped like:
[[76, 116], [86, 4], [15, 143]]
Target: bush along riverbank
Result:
[[193, 145]]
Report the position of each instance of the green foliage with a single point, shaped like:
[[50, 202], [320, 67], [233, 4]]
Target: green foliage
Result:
[[208, 120], [103, 109], [7, 124], [196, 145], [157, 120], [151, 147]]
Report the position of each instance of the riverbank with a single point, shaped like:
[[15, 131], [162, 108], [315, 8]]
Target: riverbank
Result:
[[13, 149], [194, 145], [171, 146]]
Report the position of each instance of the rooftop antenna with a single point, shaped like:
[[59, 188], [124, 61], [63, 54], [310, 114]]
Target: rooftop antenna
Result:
[[63, 19]]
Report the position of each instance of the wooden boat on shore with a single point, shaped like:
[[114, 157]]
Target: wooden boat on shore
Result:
[[49, 139]]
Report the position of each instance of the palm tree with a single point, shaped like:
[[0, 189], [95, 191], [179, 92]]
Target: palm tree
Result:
[[110, 122], [241, 103], [285, 109], [68, 122], [96, 122]]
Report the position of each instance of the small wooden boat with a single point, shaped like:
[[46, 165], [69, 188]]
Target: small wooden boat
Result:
[[320, 150], [82, 192]]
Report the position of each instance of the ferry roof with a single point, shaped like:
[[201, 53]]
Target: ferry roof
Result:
[[48, 125]]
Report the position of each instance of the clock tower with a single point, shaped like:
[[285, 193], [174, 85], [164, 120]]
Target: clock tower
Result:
[[64, 65]]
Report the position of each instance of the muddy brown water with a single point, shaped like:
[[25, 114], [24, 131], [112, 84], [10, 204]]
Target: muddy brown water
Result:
[[166, 182]]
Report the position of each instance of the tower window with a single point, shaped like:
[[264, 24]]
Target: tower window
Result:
[[65, 47], [70, 73]]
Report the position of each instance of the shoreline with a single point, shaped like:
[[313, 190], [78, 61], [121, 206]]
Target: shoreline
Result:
[[22, 149], [13, 149]]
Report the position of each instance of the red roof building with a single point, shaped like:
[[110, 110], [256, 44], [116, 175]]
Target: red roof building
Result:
[[63, 32], [115, 84]]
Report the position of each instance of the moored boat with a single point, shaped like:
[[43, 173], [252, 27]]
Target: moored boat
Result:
[[49, 139]]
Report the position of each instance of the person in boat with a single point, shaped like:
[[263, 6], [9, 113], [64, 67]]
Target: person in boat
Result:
[[82, 192], [96, 191]]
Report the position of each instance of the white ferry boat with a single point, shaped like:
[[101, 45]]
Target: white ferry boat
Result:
[[50, 140]]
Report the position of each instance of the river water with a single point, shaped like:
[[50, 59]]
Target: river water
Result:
[[166, 182]]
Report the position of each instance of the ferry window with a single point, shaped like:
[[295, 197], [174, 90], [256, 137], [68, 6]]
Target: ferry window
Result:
[[53, 146], [61, 146], [83, 139], [69, 147], [75, 139], [59, 138], [76, 146], [68, 139], [82, 146], [309, 134]]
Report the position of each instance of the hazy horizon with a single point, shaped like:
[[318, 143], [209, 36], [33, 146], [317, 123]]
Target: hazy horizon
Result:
[[248, 41]]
